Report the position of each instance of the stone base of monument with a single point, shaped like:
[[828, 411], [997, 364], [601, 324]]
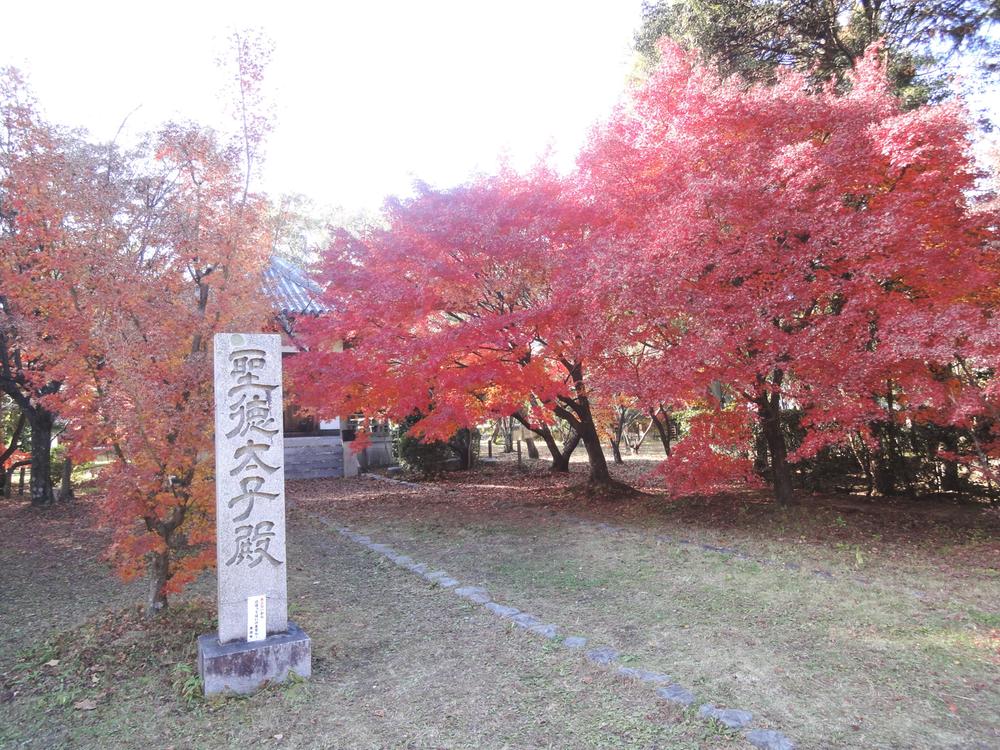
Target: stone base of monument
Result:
[[243, 667]]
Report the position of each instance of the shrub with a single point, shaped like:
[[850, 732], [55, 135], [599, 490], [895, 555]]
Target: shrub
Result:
[[436, 456]]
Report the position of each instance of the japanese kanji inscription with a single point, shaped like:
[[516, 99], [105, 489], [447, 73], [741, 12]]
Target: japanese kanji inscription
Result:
[[249, 482]]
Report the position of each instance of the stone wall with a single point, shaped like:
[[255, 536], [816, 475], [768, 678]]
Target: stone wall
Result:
[[378, 453], [314, 457]]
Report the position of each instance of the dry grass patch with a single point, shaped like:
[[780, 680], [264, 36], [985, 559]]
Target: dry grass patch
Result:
[[897, 649]]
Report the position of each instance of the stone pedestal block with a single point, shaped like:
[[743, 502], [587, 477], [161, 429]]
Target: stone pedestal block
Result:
[[243, 667]]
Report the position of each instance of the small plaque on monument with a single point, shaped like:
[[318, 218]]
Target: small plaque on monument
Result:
[[257, 618], [255, 643]]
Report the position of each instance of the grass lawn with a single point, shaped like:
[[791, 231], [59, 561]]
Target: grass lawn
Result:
[[396, 663], [843, 624]]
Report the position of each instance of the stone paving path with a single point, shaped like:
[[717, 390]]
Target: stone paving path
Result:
[[601, 655]]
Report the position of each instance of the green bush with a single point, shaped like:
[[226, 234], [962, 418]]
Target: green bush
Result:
[[433, 457], [419, 456]]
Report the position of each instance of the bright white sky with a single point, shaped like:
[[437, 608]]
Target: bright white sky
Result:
[[368, 95]]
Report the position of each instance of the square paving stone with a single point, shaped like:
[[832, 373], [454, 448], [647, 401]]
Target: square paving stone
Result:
[[502, 610], [768, 739], [733, 718], [676, 694], [602, 656], [546, 631], [475, 594], [526, 620], [644, 675]]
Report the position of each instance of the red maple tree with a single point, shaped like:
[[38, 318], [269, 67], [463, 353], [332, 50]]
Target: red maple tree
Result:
[[470, 303], [786, 245], [737, 249]]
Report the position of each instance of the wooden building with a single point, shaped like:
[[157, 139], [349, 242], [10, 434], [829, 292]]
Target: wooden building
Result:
[[313, 448]]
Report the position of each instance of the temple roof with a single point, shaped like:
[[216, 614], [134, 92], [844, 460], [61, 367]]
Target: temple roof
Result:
[[290, 288]]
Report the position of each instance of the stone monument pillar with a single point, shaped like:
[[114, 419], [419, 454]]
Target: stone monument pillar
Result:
[[255, 643]]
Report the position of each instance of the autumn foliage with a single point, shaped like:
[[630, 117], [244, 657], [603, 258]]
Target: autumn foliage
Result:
[[789, 244], [118, 266], [738, 250], [797, 272], [468, 305]]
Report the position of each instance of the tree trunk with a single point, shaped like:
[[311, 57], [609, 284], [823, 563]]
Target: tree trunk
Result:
[[890, 466], [883, 470], [761, 462], [616, 451], [769, 413], [949, 477], [8, 471], [8, 480], [560, 458], [550, 442], [66, 485], [159, 568], [462, 446], [41, 457], [577, 412], [15, 438], [640, 434], [599, 472], [636, 447], [864, 458], [508, 436], [662, 429], [617, 430], [891, 474], [532, 448]]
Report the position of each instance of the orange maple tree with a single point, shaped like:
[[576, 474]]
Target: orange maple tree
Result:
[[118, 268], [43, 187]]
